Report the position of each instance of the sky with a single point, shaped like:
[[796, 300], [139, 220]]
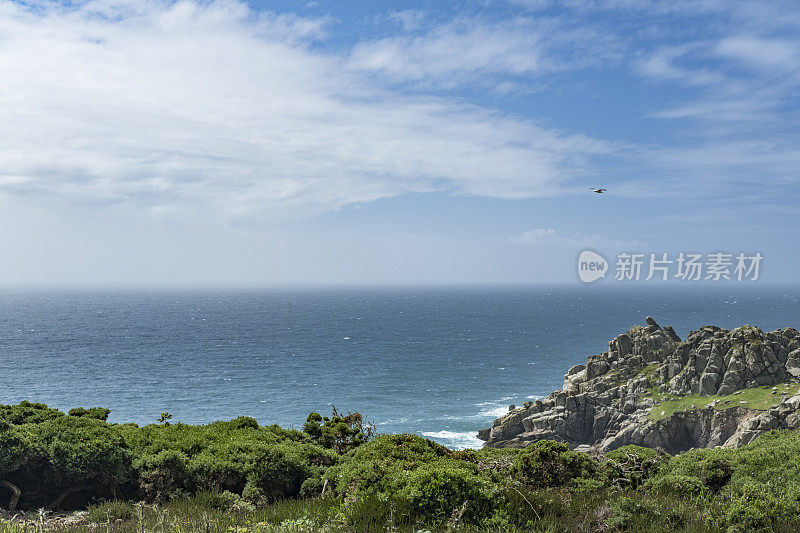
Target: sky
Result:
[[226, 143]]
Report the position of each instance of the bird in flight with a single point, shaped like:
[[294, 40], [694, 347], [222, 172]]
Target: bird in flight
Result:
[[598, 191]]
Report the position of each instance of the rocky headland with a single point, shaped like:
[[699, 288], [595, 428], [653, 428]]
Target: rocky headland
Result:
[[717, 387]]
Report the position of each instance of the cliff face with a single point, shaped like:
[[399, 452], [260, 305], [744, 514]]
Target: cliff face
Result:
[[716, 388]]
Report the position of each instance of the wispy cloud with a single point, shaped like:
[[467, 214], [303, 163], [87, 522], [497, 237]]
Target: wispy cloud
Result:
[[452, 52], [409, 19], [549, 237], [477, 51], [169, 105], [782, 55]]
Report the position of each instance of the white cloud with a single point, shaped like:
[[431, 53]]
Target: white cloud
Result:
[[452, 52], [214, 106], [772, 54], [552, 238], [474, 51], [409, 19], [662, 65]]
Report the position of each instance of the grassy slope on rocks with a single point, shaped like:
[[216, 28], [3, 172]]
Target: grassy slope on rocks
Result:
[[239, 476], [759, 398]]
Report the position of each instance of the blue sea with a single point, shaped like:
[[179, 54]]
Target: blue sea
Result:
[[439, 362]]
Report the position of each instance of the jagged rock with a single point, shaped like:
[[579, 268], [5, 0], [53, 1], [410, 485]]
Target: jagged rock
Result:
[[793, 363], [607, 403]]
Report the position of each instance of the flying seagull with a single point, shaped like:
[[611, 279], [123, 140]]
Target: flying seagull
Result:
[[598, 191]]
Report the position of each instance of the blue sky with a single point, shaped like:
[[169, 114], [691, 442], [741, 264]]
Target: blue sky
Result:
[[279, 143]]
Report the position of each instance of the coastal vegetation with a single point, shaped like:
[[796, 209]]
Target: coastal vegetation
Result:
[[757, 398], [77, 472]]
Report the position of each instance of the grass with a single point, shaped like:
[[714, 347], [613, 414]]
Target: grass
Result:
[[193, 515], [759, 398], [556, 511], [649, 370], [615, 379]]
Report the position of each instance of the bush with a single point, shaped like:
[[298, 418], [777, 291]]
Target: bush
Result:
[[638, 512], [28, 413], [630, 466], [98, 413], [210, 470], [551, 464], [277, 473], [754, 509], [311, 487], [262, 463], [470, 456], [341, 433], [391, 482], [113, 510], [715, 472], [625, 511], [522, 507], [374, 466], [677, 485], [17, 451], [222, 501], [445, 490], [162, 476], [243, 422], [370, 512], [64, 461]]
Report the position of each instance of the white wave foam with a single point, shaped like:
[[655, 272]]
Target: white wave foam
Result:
[[494, 409], [457, 440], [495, 412]]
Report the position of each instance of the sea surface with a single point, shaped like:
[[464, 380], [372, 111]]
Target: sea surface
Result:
[[439, 362]]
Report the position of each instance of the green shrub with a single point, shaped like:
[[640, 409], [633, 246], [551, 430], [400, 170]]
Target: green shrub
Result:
[[213, 471], [163, 476], [582, 484], [341, 433], [64, 460], [677, 485], [221, 501], [17, 449], [470, 456], [113, 510], [371, 512], [438, 492], [278, 473], [624, 511], [373, 466], [243, 422], [683, 474], [524, 507], [630, 466], [28, 413], [262, 463], [643, 512], [311, 487], [715, 472], [393, 482], [98, 413], [754, 509], [551, 464]]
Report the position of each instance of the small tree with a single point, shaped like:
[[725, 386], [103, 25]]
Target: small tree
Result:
[[340, 433], [164, 418]]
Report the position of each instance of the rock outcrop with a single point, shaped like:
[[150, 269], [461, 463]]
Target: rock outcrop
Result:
[[625, 395]]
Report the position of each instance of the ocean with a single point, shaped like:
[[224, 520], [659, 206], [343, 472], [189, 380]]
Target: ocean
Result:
[[439, 362]]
